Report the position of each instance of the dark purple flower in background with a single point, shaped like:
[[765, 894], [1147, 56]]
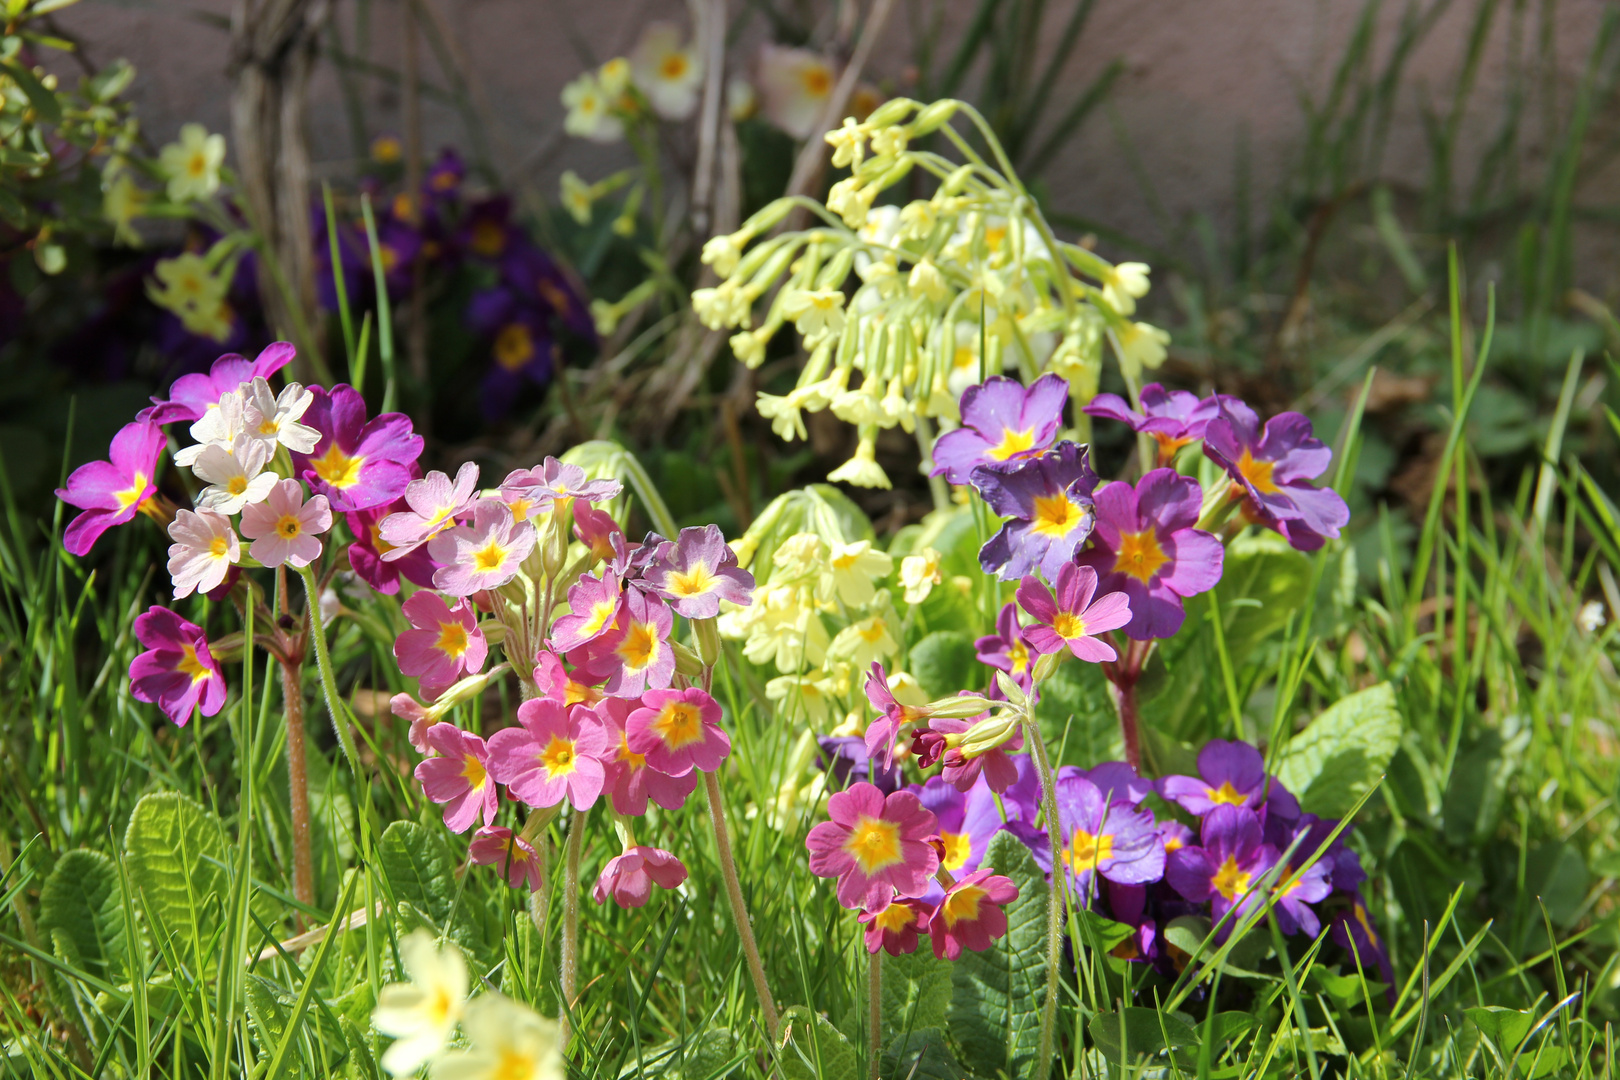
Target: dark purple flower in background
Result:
[[536, 279], [176, 673], [1049, 501], [1353, 931], [846, 761], [1005, 650], [1274, 468], [1229, 774], [359, 463], [1001, 421], [445, 175], [1175, 418], [487, 231], [1145, 546], [112, 492], [1227, 867]]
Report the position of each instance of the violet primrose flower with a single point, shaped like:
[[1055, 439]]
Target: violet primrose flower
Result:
[[1145, 546], [357, 464], [1112, 839], [847, 761], [1001, 421], [193, 395], [1174, 418], [1229, 774], [696, 571], [1049, 501], [112, 492], [875, 845], [457, 775], [483, 555], [443, 643], [1227, 868], [1072, 619], [1274, 467], [176, 673]]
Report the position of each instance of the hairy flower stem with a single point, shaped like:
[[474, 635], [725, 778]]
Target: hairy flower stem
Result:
[[292, 693], [874, 994], [1054, 902], [1124, 693], [739, 913], [569, 966]]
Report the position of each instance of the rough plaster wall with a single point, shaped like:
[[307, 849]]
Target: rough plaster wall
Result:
[[1203, 77]]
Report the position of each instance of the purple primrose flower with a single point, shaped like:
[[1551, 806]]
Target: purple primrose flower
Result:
[[176, 673], [1229, 774], [1174, 418], [696, 571], [112, 492], [1001, 421], [1049, 501], [1227, 868], [1274, 468]]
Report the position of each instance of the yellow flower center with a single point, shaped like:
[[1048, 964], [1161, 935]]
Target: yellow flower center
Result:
[[236, 484], [629, 756], [488, 558], [439, 1006], [1012, 444], [191, 665], [580, 694], [1140, 555], [874, 844], [514, 346], [1019, 656], [895, 917], [337, 468], [1230, 881], [873, 630], [558, 758], [674, 66], [132, 494], [958, 847], [219, 547], [964, 358], [514, 1065], [1173, 843], [694, 582], [679, 724], [963, 905], [1226, 795], [640, 646], [197, 165], [472, 770], [1056, 516], [453, 640], [1168, 445], [1258, 473], [1068, 627], [817, 82], [995, 236], [601, 612], [288, 527], [1086, 851]]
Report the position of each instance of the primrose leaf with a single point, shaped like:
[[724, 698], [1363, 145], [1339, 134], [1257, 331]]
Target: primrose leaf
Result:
[[81, 908], [1343, 752], [176, 852]]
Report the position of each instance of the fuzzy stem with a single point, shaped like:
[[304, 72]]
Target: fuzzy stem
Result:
[[739, 913], [874, 993], [1054, 902], [1122, 677], [569, 967], [292, 693]]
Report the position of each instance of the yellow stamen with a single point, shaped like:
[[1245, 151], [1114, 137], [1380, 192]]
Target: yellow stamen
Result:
[[1068, 627], [1230, 881], [1140, 555], [559, 758], [874, 844], [453, 640], [191, 665], [958, 849], [694, 582], [337, 468], [1226, 795], [679, 724], [1086, 851]]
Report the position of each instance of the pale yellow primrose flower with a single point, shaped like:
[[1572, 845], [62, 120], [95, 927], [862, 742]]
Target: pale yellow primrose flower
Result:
[[590, 114], [854, 569], [669, 73], [421, 1015], [794, 85], [576, 197], [862, 469], [807, 696], [848, 143], [1122, 284], [510, 1041], [192, 164], [121, 203], [866, 640], [614, 78], [1141, 346], [919, 573], [816, 313]]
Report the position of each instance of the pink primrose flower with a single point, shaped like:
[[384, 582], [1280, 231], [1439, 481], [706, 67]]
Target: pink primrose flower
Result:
[[458, 776], [496, 845], [592, 604], [895, 928], [112, 492], [970, 916], [629, 878], [434, 503], [366, 554], [1072, 620], [358, 463], [483, 555], [176, 673], [630, 780], [284, 527], [554, 753], [443, 643], [678, 731], [636, 656], [698, 570], [875, 846], [191, 396], [204, 549]]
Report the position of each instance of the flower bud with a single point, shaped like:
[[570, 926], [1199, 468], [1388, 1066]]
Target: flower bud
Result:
[[989, 733], [707, 635], [892, 111], [687, 662], [960, 707], [932, 117]]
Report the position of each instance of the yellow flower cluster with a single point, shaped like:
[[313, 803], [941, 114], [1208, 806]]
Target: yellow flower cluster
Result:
[[194, 288], [947, 290]]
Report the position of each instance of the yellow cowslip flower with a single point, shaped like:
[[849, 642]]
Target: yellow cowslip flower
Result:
[[919, 573], [806, 697], [577, 197], [121, 203], [1123, 284], [869, 639], [816, 313], [590, 111], [1141, 346], [848, 143], [669, 73], [192, 164], [854, 568], [862, 469]]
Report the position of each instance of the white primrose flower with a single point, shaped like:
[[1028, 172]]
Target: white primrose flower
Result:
[[421, 1014], [204, 550], [1123, 284], [669, 73], [219, 425], [236, 475], [274, 418]]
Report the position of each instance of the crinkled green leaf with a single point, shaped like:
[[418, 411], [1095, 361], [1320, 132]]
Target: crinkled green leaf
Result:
[[921, 1054], [813, 1049], [942, 661], [419, 869], [1343, 752], [916, 990], [176, 852], [1142, 1031], [81, 907]]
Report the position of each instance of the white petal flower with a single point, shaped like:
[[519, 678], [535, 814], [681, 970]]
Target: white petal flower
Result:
[[590, 111], [235, 475], [1123, 284], [274, 418], [421, 1014], [192, 164], [220, 425], [794, 86], [669, 73], [204, 550]]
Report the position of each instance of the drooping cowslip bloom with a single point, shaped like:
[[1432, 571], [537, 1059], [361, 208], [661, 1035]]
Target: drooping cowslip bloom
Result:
[[434, 503], [636, 656], [1174, 418], [177, 673], [1275, 467], [498, 846], [1005, 650], [696, 571], [895, 928], [1049, 501], [678, 731], [192, 396], [629, 780], [444, 642], [284, 527], [556, 752], [112, 492], [971, 915], [1001, 421], [1072, 619], [1110, 839], [1227, 866], [358, 463], [483, 555], [458, 776], [421, 1014], [367, 551], [875, 845], [204, 550], [1230, 773], [1145, 546], [629, 877], [592, 604]]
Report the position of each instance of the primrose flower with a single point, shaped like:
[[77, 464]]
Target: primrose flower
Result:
[[964, 765], [434, 503], [807, 697], [1230, 773], [236, 476], [367, 551], [669, 73], [854, 567], [794, 86], [1100, 837], [593, 604], [1227, 868], [556, 752], [677, 731], [818, 315], [275, 418], [919, 574], [192, 396], [496, 845], [629, 877], [192, 164], [590, 111], [204, 550], [1005, 650], [176, 673], [112, 492], [1073, 619], [1001, 421], [444, 642], [969, 819], [357, 464], [630, 781], [867, 640], [483, 555], [636, 655], [1145, 547], [596, 529], [1294, 893], [509, 1042], [1141, 346], [895, 928], [554, 681], [970, 916], [284, 527], [1050, 503], [1174, 418], [553, 481], [458, 776], [1274, 468], [875, 845], [1353, 930], [1117, 781], [893, 716], [421, 1014], [1123, 285], [846, 761], [696, 571]]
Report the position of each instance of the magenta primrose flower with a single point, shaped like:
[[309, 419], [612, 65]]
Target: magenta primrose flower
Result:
[[678, 731], [483, 555], [1274, 468], [592, 604], [1227, 868], [1001, 421], [1145, 546], [895, 928], [696, 571], [629, 878], [367, 551], [1230, 773], [1296, 890], [193, 395], [970, 916], [555, 752], [1174, 418], [1048, 499], [496, 845], [875, 846], [176, 673], [883, 732], [358, 463], [1072, 619], [636, 655], [284, 528], [458, 776], [433, 504], [444, 642], [112, 492], [630, 781], [1005, 649]]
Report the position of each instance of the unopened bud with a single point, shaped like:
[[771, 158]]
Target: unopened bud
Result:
[[227, 648], [687, 662], [989, 733], [961, 707], [933, 117], [890, 112], [554, 541], [706, 632]]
